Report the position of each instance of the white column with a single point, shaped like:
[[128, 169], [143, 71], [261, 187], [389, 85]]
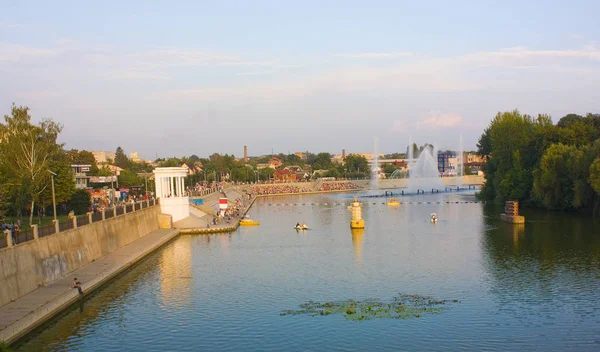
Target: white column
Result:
[[171, 186], [182, 186], [177, 187]]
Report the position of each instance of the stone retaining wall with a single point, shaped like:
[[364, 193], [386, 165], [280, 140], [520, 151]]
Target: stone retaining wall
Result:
[[27, 266]]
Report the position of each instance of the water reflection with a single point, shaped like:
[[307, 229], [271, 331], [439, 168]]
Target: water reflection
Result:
[[548, 260], [357, 243], [175, 271], [532, 287]]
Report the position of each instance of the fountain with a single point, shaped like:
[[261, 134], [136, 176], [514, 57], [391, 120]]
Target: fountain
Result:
[[424, 174], [459, 164], [375, 166]]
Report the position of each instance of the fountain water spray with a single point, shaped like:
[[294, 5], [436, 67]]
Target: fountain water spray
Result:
[[460, 163], [410, 155], [375, 165], [424, 174]]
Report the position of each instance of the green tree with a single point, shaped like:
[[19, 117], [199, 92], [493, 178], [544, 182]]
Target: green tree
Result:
[[356, 163], [83, 157], [128, 178], [322, 161], [484, 145], [595, 175], [121, 159], [80, 202], [26, 151], [507, 173]]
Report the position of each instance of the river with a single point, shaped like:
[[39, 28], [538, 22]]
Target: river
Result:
[[534, 287]]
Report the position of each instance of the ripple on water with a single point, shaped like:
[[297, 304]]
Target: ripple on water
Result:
[[529, 290]]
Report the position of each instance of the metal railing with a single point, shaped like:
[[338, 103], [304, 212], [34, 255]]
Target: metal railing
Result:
[[24, 236], [83, 220], [46, 230], [97, 216], [67, 224]]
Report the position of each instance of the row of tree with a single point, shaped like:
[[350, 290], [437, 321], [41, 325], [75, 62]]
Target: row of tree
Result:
[[536, 162], [30, 157]]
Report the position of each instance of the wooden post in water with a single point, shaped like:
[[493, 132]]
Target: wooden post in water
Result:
[[511, 213]]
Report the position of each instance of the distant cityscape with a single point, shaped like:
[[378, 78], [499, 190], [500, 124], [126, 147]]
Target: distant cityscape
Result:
[[447, 161]]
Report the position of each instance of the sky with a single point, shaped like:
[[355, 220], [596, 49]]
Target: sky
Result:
[[176, 78]]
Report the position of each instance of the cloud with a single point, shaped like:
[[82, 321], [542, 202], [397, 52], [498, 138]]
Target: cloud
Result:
[[521, 56], [437, 119], [577, 36], [255, 73], [14, 52], [376, 55], [143, 75], [7, 25], [186, 57]]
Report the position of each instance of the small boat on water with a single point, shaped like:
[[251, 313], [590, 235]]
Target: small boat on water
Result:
[[433, 218], [393, 202], [301, 227], [248, 222]]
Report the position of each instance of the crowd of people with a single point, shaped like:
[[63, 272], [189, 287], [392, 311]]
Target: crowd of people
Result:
[[338, 186], [277, 189]]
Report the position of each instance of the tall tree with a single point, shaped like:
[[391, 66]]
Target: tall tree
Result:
[[356, 163], [83, 157], [26, 151], [121, 159]]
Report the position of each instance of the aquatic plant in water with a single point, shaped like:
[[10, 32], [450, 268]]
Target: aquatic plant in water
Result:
[[403, 306]]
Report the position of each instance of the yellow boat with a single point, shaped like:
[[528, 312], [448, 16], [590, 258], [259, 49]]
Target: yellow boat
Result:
[[249, 222], [393, 202]]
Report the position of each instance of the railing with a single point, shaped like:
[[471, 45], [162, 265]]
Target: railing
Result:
[[81, 220], [97, 216], [24, 236], [65, 225], [46, 230], [203, 192]]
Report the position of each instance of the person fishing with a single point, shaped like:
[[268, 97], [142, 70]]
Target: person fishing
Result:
[[77, 285]]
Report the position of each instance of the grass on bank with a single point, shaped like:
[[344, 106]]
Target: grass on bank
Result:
[[4, 347], [46, 220]]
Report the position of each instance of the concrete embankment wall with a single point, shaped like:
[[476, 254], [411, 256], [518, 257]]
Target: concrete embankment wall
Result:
[[25, 267]]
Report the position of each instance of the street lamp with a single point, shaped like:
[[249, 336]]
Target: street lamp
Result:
[[53, 196]]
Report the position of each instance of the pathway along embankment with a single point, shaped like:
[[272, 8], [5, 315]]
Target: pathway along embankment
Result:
[[36, 276]]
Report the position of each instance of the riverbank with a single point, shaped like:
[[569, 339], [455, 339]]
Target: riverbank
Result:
[[30, 311]]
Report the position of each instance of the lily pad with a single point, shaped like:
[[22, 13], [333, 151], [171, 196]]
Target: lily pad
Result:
[[403, 306]]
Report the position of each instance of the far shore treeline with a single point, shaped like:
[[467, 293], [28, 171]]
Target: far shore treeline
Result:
[[528, 159], [28, 151], [541, 164]]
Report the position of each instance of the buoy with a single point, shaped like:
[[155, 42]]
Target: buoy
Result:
[[356, 222]]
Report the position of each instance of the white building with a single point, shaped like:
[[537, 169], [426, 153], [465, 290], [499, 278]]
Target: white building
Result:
[[81, 177], [170, 189]]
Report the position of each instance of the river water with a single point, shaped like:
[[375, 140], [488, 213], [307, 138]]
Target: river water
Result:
[[535, 287]]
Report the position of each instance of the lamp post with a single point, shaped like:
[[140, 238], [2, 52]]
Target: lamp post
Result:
[[53, 196]]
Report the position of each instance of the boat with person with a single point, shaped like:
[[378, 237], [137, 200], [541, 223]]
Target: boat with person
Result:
[[433, 218], [246, 221], [301, 227], [393, 202]]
